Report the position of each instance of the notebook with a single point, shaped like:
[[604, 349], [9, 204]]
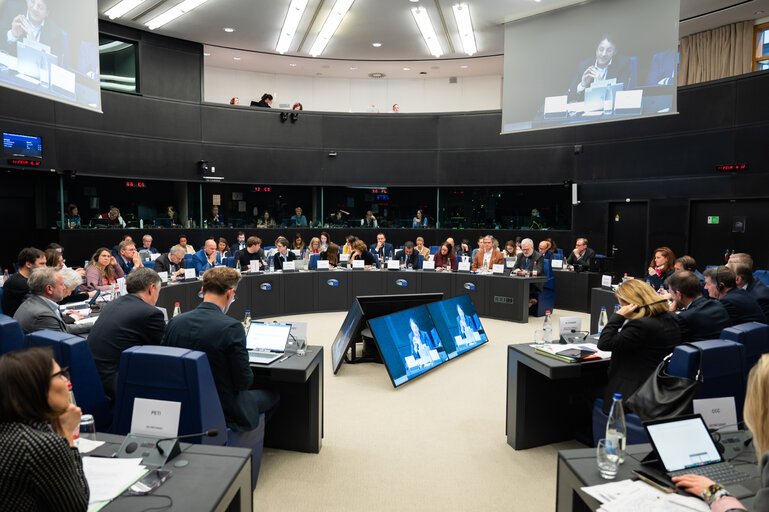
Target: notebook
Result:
[[266, 342], [684, 446]]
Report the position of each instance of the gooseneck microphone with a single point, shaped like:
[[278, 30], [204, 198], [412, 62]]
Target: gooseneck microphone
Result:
[[208, 433]]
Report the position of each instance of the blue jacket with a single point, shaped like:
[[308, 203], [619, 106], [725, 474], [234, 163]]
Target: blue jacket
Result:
[[200, 261], [742, 307], [760, 292], [704, 319], [386, 252]]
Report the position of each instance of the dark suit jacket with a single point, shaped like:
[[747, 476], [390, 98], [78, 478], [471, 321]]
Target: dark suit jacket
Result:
[[760, 292], [548, 255], [35, 314], [663, 66], [277, 260], [123, 323], [223, 339], [583, 260], [368, 259], [260, 103], [127, 266], [238, 246], [742, 307], [15, 289], [163, 264], [385, 252], [412, 260], [636, 350], [704, 319], [658, 281], [534, 262], [619, 69]]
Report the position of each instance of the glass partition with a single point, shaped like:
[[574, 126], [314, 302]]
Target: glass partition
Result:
[[118, 64], [384, 207]]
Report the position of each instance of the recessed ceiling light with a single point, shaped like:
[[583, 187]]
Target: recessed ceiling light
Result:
[[229, 29], [376, 45], [206, 54], [406, 69], [413, 1], [293, 65], [236, 58], [332, 22], [353, 68], [464, 67]]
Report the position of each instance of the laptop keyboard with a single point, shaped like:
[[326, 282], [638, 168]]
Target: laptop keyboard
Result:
[[261, 357], [723, 473]]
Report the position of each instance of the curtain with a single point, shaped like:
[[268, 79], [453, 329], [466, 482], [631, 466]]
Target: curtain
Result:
[[719, 53]]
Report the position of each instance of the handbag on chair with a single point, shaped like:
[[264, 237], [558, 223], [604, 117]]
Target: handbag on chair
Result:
[[663, 395]]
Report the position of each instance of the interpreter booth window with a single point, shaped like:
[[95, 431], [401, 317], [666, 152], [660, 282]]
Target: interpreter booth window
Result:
[[259, 205], [379, 207], [118, 61], [523, 207], [761, 55]]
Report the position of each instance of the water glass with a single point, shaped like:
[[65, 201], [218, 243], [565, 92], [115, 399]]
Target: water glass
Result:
[[608, 461], [301, 347], [539, 336], [87, 427]]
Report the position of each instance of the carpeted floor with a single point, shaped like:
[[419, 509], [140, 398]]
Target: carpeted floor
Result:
[[437, 443]]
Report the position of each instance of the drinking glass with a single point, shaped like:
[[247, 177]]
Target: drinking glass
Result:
[[608, 461]]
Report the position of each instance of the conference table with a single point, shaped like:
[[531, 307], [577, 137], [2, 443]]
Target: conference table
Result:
[[216, 478], [573, 289]]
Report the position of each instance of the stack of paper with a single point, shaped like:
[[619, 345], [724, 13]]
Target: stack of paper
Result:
[[553, 349], [108, 478], [638, 496]]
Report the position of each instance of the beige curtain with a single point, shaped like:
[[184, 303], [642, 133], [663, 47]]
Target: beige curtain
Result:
[[719, 53]]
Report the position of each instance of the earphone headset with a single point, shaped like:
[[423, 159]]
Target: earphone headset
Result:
[[719, 284], [652, 303]]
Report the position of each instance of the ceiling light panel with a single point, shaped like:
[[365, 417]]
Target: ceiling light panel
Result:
[[293, 17], [335, 17], [465, 26], [428, 32], [122, 8], [173, 13]]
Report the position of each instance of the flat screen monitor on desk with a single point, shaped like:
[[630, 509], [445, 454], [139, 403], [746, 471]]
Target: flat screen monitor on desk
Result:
[[458, 325], [345, 335], [409, 343]]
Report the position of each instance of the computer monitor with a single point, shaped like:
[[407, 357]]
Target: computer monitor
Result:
[[345, 335], [458, 325], [408, 343]]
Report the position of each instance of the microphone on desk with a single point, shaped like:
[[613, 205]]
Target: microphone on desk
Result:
[[208, 433], [148, 447], [573, 337]]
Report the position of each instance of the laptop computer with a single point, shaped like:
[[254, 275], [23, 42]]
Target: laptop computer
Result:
[[684, 445], [266, 342]]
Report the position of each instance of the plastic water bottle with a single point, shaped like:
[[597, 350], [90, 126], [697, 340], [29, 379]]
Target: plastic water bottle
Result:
[[237, 265], [76, 432], [247, 320], [547, 328], [602, 320], [272, 264], [115, 291], [5, 278], [177, 309], [616, 430], [616, 308], [625, 278]]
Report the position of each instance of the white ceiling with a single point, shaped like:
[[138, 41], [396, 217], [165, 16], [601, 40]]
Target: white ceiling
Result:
[[257, 24]]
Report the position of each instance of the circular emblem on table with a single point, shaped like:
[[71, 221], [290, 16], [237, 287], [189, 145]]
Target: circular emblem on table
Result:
[[470, 286], [401, 282], [266, 287], [332, 282]]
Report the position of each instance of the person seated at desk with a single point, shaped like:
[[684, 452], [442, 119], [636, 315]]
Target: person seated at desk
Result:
[[171, 214], [34, 24], [298, 245], [216, 219], [325, 239], [207, 257], [511, 249], [545, 249], [253, 251], [409, 257], [40, 310], [73, 217], [485, 259], [369, 221], [420, 344], [348, 241], [604, 66], [72, 281], [661, 267], [465, 324], [331, 254], [422, 249], [444, 258], [477, 249], [755, 414], [128, 258], [131, 319], [360, 252], [147, 244], [529, 260], [688, 263], [639, 335], [42, 468], [113, 217], [240, 243], [15, 289], [582, 255], [223, 248], [208, 328], [745, 281], [698, 318], [171, 262], [463, 251], [382, 248], [282, 254], [313, 248], [337, 218], [116, 247], [419, 221], [721, 284], [102, 272], [297, 219], [264, 102], [265, 221], [188, 249]]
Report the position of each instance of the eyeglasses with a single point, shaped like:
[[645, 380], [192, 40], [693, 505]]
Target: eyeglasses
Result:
[[64, 372]]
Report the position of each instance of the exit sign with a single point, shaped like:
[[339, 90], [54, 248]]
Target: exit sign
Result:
[[715, 219]]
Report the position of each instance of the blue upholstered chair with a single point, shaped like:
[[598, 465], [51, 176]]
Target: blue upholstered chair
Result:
[[180, 375], [229, 261], [73, 351], [754, 336], [149, 264], [11, 335], [1, 300], [635, 431], [313, 263], [546, 300], [763, 275], [434, 249]]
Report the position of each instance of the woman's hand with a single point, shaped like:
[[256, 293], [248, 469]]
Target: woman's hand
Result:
[[112, 260], [693, 484], [652, 272], [66, 422], [626, 310]]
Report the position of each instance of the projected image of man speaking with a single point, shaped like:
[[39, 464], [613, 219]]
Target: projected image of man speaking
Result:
[[606, 65], [29, 21], [420, 344]]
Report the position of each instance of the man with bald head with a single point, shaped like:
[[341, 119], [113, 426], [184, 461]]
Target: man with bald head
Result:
[[207, 257]]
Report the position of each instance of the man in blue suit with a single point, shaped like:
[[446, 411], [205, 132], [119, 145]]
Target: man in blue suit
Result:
[[699, 318], [206, 258], [746, 281], [208, 329], [382, 249], [721, 284], [127, 257]]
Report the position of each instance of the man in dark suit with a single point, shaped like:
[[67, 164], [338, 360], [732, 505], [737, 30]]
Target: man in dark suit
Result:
[[529, 260], [172, 262], [604, 66], [147, 244], [545, 249], [34, 24], [40, 310], [721, 284], [662, 70], [582, 255], [239, 244], [127, 321], [252, 251], [409, 258], [698, 318], [208, 328], [282, 254], [15, 289], [746, 281], [128, 258], [382, 248]]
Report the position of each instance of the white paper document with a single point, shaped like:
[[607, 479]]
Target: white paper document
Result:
[[638, 496], [107, 478]]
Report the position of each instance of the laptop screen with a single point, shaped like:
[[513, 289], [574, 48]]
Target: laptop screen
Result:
[[263, 336], [683, 443]]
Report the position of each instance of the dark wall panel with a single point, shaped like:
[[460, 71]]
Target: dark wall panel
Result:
[[170, 72], [506, 166], [260, 127], [383, 132], [275, 166], [381, 168]]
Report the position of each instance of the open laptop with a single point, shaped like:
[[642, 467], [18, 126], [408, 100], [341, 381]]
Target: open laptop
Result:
[[683, 445], [266, 342]]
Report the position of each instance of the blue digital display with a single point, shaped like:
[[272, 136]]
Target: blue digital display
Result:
[[457, 324], [22, 145]]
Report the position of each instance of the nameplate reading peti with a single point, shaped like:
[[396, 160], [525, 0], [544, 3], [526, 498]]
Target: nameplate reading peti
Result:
[[155, 417]]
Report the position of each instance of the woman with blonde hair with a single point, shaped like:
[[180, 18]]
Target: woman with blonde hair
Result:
[[756, 414], [313, 247], [639, 336]]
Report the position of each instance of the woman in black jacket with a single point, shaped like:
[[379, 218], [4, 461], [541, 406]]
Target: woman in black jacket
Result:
[[649, 332]]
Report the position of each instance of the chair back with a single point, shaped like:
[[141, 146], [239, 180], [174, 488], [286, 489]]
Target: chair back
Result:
[[172, 374], [546, 299], [434, 249], [229, 261], [762, 275], [313, 263], [754, 336], [1, 300], [149, 264], [73, 351], [11, 335]]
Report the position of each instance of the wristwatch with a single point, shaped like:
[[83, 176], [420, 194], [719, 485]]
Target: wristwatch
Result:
[[714, 493]]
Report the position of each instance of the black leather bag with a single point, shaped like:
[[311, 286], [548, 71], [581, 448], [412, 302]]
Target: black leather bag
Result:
[[663, 395]]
